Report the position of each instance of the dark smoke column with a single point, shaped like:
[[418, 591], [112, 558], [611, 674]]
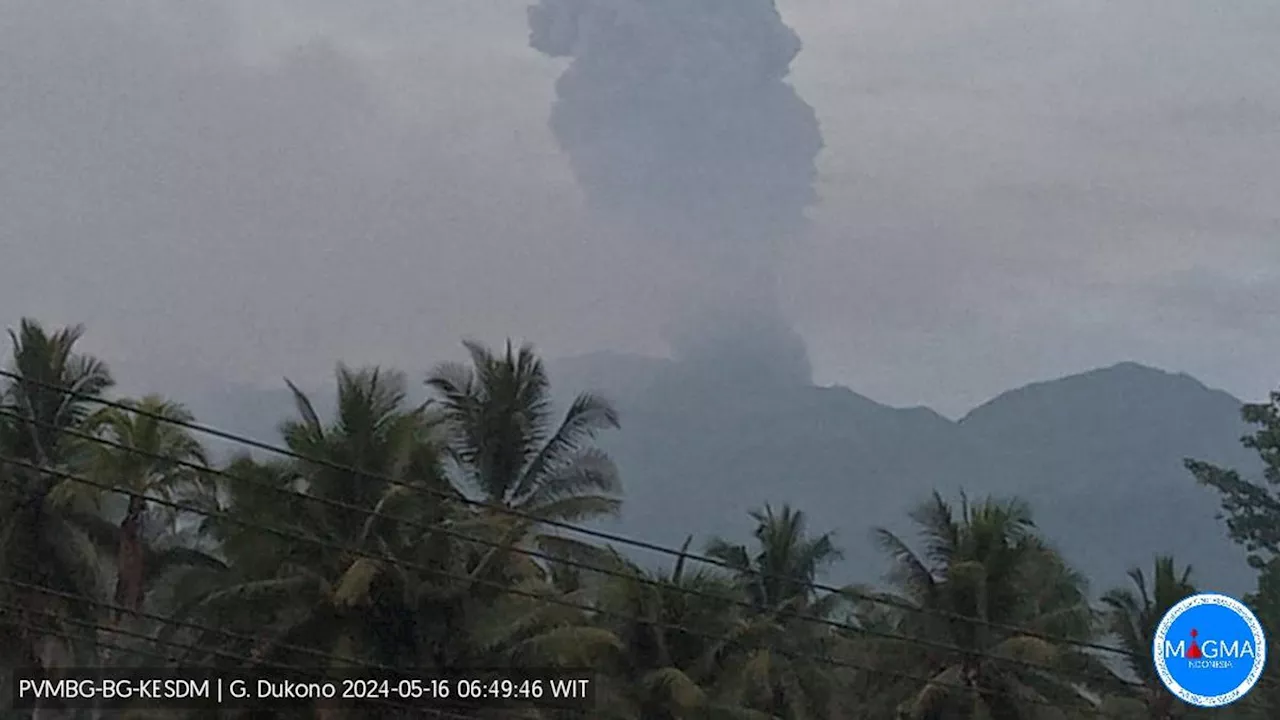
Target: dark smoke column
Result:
[[682, 131]]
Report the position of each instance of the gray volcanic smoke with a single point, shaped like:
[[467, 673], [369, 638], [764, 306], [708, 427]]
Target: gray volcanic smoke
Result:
[[681, 129]]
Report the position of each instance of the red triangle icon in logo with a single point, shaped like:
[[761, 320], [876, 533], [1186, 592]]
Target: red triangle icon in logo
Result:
[[1193, 652]]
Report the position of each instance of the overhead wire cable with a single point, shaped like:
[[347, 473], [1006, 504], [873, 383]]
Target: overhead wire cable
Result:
[[872, 598], [502, 588], [549, 557]]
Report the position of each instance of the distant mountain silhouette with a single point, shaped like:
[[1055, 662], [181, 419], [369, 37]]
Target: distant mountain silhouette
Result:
[[1099, 455]]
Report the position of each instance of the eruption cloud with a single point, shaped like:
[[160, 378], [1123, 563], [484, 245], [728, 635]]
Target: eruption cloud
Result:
[[682, 131]]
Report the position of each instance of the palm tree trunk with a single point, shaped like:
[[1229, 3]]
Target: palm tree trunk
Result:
[[130, 569]]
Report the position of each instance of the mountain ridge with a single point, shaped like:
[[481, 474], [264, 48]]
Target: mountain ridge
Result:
[[1098, 454]]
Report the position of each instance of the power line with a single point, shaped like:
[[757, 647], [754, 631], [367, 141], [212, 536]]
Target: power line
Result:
[[598, 534], [821, 660], [828, 661], [608, 572], [56, 632]]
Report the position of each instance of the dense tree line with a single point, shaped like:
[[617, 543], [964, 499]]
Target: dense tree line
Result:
[[434, 536]]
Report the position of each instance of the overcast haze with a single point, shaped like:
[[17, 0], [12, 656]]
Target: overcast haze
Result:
[[1007, 191]]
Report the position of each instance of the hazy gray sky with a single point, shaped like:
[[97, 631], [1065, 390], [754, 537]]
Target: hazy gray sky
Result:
[[1009, 191]]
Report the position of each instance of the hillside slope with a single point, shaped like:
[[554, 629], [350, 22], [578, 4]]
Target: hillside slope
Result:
[[1099, 454]]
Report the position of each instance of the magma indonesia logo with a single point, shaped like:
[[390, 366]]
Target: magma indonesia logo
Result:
[[1209, 650]]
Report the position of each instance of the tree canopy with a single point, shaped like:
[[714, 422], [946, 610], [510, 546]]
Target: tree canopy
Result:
[[456, 534]]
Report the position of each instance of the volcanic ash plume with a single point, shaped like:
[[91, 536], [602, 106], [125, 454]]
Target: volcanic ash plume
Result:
[[682, 131]]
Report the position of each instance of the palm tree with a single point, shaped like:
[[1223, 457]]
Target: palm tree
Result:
[[50, 536], [983, 568], [149, 455], [310, 593], [1133, 614], [506, 449], [48, 396], [255, 585], [661, 640], [777, 581], [786, 564], [685, 643]]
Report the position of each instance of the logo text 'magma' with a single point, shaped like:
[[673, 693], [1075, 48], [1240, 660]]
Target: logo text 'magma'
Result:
[[1212, 649]]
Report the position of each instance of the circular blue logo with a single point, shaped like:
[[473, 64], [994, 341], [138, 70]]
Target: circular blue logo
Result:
[[1209, 650]]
